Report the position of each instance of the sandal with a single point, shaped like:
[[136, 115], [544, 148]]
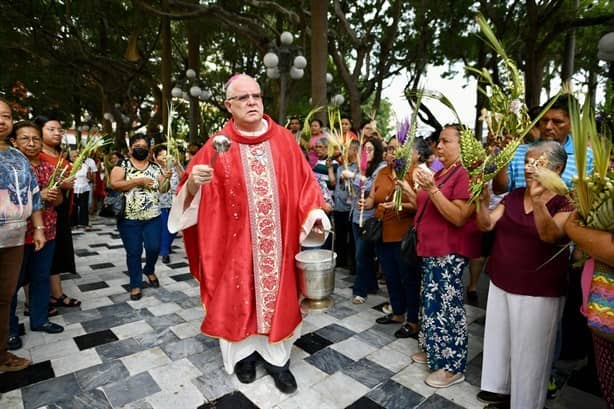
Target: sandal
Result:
[[14, 363], [60, 301], [359, 300], [51, 312]]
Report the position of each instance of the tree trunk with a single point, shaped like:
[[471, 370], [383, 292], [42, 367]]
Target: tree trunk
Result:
[[194, 63], [319, 55], [567, 69], [531, 80]]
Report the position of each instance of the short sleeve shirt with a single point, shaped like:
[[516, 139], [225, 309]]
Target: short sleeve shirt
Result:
[[438, 237], [19, 197], [142, 203], [515, 169]]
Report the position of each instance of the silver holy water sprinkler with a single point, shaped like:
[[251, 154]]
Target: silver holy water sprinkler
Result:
[[221, 144]]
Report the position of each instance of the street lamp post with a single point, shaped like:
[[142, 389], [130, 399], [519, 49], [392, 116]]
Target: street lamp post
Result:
[[191, 93], [284, 61]]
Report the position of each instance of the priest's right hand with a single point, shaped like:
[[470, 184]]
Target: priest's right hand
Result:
[[201, 174]]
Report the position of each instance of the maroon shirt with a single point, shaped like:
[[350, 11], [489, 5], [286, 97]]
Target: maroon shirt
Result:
[[436, 236], [518, 252]]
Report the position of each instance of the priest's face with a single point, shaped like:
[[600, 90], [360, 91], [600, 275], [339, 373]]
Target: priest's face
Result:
[[244, 102]]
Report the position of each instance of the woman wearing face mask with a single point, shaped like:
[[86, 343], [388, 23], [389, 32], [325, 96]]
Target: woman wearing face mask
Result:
[[64, 254], [141, 181]]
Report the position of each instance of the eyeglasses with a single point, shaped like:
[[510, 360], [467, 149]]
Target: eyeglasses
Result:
[[54, 130], [245, 97], [27, 139]]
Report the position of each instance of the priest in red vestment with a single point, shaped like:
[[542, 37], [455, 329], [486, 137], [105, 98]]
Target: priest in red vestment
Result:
[[244, 214]]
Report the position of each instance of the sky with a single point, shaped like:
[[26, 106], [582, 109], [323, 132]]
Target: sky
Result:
[[460, 90]]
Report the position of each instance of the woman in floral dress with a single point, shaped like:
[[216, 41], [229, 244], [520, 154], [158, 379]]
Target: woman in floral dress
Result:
[[446, 241]]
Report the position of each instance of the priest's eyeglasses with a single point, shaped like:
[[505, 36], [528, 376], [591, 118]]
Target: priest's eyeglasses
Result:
[[245, 97]]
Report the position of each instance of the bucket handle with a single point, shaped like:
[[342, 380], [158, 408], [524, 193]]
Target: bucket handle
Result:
[[332, 253]]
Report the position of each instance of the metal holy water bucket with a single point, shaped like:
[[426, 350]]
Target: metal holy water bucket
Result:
[[316, 277]]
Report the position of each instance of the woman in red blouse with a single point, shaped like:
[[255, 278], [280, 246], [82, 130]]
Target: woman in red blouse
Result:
[[528, 275]]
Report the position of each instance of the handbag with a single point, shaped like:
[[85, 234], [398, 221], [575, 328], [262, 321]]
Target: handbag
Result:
[[409, 242], [600, 307], [371, 230], [117, 203]]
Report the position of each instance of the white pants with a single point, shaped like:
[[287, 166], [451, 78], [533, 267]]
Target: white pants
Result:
[[519, 342], [274, 353]]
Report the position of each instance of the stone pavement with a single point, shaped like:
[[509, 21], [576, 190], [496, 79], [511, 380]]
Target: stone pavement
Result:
[[117, 353]]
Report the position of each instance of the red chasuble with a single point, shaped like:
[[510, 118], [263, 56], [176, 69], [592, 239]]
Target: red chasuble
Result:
[[249, 219]]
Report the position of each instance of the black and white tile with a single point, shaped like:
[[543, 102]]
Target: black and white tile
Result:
[[150, 354]]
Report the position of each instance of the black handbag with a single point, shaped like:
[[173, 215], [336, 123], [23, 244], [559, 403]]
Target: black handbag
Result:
[[371, 230], [409, 245], [409, 242]]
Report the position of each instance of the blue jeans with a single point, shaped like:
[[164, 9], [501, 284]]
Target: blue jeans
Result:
[[35, 267], [166, 238], [365, 266], [135, 234], [401, 280]]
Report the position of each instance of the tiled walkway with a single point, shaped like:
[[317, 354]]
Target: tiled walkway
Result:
[[116, 353]]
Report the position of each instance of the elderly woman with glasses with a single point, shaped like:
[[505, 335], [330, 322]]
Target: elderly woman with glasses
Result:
[[528, 275], [36, 263]]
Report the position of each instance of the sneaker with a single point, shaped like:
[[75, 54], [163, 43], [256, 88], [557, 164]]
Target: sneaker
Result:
[[439, 379], [553, 387], [14, 343], [387, 309], [49, 327]]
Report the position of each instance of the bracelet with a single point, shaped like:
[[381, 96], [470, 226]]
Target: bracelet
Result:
[[433, 193], [39, 227]]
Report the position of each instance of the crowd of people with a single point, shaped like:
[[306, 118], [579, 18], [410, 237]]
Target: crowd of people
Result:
[[263, 198]]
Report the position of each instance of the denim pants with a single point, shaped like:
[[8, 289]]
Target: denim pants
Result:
[[166, 237], [135, 234], [401, 280], [34, 271], [365, 266]]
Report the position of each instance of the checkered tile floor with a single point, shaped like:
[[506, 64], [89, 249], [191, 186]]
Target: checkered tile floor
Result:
[[117, 353]]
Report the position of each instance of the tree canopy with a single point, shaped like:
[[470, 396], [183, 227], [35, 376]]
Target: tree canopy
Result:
[[68, 58]]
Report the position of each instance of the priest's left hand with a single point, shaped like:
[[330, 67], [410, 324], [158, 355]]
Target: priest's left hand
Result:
[[318, 227]]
